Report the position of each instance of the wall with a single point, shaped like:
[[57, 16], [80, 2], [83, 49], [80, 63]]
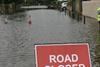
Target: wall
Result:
[[90, 8]]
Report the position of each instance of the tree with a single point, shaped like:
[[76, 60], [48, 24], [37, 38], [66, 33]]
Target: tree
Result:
[[11, 1]]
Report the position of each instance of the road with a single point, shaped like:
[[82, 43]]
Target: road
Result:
[[17, 37], [34, 7]]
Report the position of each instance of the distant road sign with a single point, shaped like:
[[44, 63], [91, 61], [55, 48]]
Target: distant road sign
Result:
[[62, 55]]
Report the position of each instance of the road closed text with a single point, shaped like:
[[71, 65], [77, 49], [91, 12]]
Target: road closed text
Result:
[[67, 60]]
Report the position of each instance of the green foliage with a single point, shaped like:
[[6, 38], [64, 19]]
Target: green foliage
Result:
[[98, 38], [97, 49], [46, 2]]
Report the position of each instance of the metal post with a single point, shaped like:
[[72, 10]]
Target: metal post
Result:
[[99, 26], [84, 19]]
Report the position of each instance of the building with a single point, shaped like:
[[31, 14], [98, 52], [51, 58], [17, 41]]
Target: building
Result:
[[90, 8], [77, 8]]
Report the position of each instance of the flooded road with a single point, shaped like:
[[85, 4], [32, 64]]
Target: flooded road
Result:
[[48, 26]]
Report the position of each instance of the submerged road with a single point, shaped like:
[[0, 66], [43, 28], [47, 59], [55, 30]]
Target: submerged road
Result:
[[17, 38]]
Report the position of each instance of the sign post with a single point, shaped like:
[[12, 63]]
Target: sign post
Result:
[[62, 55]]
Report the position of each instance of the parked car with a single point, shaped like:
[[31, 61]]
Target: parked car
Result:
[[63, 6]]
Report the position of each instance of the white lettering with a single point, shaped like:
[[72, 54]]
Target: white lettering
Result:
[[61, 66], [81, 65], [74, 57], [52, 58], [63, 58], [68, 65], [67, 58], [60, 58], [74, 65]]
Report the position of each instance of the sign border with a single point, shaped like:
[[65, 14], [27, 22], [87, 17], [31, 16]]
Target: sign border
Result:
[[55, 44]]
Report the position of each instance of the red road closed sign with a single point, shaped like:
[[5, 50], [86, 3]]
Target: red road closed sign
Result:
[[63, 55]]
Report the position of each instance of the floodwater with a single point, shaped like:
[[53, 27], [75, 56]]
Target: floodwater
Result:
[[17, 37]]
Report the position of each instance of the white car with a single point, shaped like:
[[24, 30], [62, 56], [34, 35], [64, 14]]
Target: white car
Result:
[[63, 5]]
